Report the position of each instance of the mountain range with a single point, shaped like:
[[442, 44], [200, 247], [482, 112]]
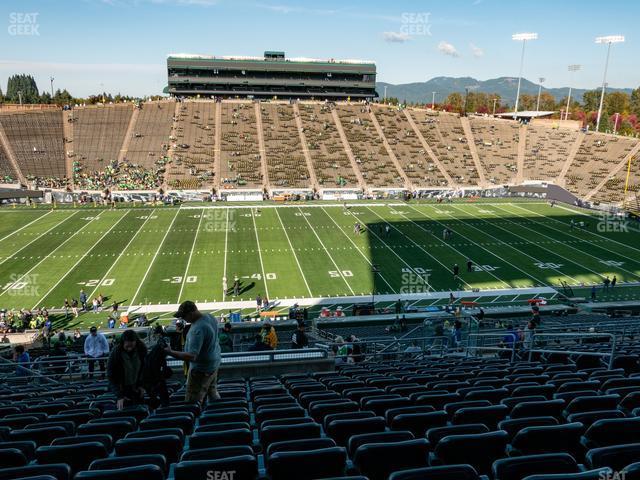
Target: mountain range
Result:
[[421, 92]]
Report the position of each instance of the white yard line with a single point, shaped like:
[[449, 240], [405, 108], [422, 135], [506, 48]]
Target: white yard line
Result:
[[421, 276], [39, 236], [577, 212], [359, 250], [448, 269], [264, 277], [146, 273], [193, 245], [51, 253], [328, 254], [443, 243], [484, 248], [541, 246], [294, 253], [511, 246], [571, 246], [102, 237], [40, 217], [224, 270], [121, 254]]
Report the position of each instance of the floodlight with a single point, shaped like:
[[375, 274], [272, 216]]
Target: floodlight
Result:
[[524, 36], [610, 39]]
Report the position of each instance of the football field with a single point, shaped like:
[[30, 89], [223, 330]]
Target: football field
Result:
[[158, 256]]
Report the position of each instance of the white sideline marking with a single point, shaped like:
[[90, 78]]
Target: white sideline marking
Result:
[[360, 251], [50, 253], [435, 296], [264, 277], [294, 253], [330, 257], [135, 295], [121, 254], [100, 238], [186, 272]]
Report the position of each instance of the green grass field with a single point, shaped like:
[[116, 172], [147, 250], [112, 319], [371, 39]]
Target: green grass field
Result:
[[159, 256]]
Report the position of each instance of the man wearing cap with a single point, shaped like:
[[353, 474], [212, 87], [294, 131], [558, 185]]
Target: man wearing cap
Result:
[[202, 351], [96, 347]]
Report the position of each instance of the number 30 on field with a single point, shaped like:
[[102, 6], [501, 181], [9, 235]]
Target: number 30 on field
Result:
[[336, 273]]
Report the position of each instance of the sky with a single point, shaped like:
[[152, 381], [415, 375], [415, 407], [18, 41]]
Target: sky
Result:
[[120, 46]]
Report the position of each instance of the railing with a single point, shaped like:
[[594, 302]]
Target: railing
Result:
[[431, 346], [477, 342], [572, 336]]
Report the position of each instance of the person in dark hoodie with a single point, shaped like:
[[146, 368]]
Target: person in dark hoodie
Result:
[[156, 371], [125, 369]]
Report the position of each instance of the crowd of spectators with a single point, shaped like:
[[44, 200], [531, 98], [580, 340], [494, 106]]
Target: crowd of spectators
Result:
[[120, 175]]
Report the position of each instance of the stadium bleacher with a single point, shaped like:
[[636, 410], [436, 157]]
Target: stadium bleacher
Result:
[[200, 144], [447, 417]]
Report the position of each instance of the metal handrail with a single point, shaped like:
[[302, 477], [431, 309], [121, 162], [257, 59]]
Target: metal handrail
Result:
[[478, 336], [611, 354]]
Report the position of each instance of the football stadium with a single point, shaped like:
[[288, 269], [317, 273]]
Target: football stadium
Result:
[[276, 267]]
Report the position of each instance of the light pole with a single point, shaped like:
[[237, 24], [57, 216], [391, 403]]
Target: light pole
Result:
[[433, 100], [571, 68], [609, 39], [615, 123], [523, 37], [384, 100], [542, 79], [52, 79], [466, 96], [20, 96], [494, 106]]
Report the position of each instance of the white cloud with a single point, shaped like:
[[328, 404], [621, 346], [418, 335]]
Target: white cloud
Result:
[[395, 37], [476, 51], [447, 49]]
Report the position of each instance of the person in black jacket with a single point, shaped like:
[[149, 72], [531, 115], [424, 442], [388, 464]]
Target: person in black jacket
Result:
[[299, 338], [156, 371], [124, 369]]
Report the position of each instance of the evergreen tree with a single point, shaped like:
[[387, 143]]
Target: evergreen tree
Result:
[[26, 85]]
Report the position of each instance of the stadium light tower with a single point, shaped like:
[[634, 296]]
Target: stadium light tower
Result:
[[433, 100], [571, 68], [542, 79], [384, 100], [609, 39], [52, 79], [521, 37]]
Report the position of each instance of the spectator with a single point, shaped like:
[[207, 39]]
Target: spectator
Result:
[[22, 360], [96, 348], [156, 371], [413, 348], [299, 338], [456, 333], [258, 345], [269, 336], [226, 339], [529, 333], [202, 351], [124, 370]]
